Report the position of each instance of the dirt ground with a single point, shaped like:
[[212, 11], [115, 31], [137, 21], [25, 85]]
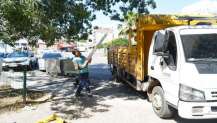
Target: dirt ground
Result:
[[12, 99]]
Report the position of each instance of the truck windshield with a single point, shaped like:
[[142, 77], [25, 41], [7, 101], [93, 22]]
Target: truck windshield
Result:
[[200, 47]]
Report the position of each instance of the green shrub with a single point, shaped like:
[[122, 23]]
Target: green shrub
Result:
[[115, 42]]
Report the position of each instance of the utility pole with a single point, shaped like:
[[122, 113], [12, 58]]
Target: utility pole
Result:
[[24, 85]]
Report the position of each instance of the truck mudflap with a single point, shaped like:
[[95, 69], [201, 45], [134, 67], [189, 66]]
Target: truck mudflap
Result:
[[197, 110]]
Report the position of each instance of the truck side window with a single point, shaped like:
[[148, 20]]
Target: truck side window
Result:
[[159, 42], [171, 48]]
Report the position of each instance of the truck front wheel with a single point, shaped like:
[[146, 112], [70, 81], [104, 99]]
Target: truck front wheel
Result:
[[159, 104]]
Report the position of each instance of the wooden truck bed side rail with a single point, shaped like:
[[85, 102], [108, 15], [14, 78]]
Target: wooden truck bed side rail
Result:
[[117, 56]]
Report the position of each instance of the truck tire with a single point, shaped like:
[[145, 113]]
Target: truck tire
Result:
[[159, 104], [115, 76]]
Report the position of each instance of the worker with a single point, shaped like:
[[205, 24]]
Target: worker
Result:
[[81, 64], [76, 77]]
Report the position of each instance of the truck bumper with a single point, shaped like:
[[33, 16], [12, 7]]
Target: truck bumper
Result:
[[197, 110]]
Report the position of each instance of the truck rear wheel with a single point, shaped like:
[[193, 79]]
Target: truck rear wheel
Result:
[[115, 76], [159, 104]]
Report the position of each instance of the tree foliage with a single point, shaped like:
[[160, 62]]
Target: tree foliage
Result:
[[18, 19], [53, 19], [128, 24]]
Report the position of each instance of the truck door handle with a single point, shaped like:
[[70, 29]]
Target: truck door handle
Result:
[[152, 67]]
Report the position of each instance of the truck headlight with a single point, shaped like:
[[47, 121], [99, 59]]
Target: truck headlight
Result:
[[190, 94]]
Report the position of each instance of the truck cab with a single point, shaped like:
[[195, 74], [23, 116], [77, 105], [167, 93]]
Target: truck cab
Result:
[[182, 67]]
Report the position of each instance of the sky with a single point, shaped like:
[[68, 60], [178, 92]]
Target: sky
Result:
[[171, 6], [167, 7]]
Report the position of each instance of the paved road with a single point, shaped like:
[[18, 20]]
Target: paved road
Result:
[[112, 102]]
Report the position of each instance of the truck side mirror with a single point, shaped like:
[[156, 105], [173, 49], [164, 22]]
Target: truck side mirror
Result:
[[165, 57]]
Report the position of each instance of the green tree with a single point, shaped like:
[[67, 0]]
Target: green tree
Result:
[[53, 19], [19, 19], [119, 42], [128, 25]]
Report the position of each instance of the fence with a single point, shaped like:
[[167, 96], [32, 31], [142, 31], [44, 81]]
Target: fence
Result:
[[14, 79]]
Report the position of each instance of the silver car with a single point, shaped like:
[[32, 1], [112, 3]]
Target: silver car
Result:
[[19, 59]]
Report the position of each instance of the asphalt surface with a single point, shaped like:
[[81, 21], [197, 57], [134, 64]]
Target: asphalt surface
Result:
[[111, 102]]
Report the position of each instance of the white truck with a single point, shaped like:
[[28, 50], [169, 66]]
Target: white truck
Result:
[[183, 66], [176, 65]]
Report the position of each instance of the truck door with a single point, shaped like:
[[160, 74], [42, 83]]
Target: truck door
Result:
[[163, 64], [169, 71]]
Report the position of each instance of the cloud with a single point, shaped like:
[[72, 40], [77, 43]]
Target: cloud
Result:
[[203, 6]]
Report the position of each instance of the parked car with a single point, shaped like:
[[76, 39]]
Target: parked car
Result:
[[2, 55], [19, 59], [48, 56]]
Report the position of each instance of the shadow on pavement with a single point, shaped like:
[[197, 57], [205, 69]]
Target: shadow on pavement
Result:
[[69, 107], [110, 90], [105, 87]]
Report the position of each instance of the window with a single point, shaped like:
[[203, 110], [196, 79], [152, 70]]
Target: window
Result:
[[200, 46], [171, 49], [159, 42]]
